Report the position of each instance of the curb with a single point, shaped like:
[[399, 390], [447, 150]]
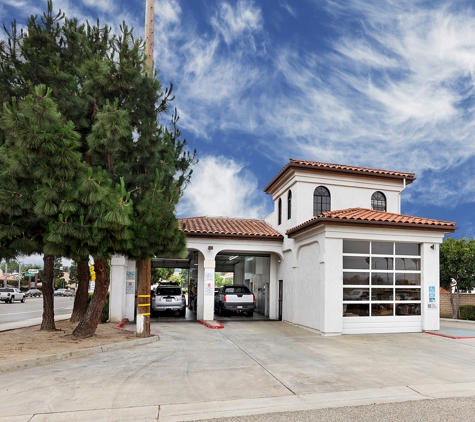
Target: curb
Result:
[[120, 326], [41, 360], [211, 324]]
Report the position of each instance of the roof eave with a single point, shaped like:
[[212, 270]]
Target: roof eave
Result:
[[290, 166], [234, 236], [385, 224]]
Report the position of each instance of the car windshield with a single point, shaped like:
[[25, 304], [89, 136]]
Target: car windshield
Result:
[[172, 291]]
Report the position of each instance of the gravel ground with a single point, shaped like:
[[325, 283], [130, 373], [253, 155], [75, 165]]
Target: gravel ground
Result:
[[460, 409]]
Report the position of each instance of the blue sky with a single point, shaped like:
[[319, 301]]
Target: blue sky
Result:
[[386, 84]]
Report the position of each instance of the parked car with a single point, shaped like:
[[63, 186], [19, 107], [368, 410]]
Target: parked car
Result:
[[69, 293], [33, 293], [10, 294], [59, 292], [235, 298], [168, 297]]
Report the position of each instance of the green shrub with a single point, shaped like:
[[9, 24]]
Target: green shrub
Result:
[[467, 312], [105, 310]]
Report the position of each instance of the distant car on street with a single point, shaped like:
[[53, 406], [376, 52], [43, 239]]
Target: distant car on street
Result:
[[59, 292], [33, 293], [69, 293]]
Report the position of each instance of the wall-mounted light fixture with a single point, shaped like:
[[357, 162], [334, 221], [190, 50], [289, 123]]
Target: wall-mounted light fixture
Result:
[[210, 248], [279, 261], [432, 246]]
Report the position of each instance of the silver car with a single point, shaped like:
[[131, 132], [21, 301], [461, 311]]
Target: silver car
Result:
[[169, 298]]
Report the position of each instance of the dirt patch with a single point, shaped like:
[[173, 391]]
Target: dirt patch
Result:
[[30, 342]]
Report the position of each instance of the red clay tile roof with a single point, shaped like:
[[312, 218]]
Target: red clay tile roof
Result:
[[315, 165], [371, 217], [229, 227]]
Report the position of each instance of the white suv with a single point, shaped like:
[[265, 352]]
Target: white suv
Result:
[[169, 297]]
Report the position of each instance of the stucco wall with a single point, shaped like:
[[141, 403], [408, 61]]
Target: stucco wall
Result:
[[346, 192], [307, 287]]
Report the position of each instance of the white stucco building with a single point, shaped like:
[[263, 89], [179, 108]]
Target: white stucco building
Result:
[[335, 256]]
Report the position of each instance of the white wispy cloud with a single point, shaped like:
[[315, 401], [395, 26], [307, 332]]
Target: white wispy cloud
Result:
[[237, 23], [222, 187]]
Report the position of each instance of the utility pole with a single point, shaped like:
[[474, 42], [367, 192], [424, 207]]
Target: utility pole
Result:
[[144, 266], [149, 29]]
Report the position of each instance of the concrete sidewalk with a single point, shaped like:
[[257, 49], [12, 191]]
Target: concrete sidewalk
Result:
[[30, 322], [194, 373]]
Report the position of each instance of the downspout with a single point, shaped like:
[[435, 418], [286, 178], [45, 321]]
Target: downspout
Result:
[[400, 193]]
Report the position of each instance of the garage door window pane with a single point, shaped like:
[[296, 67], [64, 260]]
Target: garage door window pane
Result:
[[408, 309], [355, 278], [380, 309], [408, 249], [355, 263], [408, 294], [382, 248], [381, 263], [408, 264], [382, 278], [405, 279], [355, 294], [382, 294], [355, 310], [355, 246]]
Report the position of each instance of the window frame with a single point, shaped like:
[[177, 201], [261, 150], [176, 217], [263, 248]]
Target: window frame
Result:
[[279, 211], [319, 205], [378, 203], [289, 204]]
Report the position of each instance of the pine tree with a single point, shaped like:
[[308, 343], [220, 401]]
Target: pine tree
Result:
[[136, 168]]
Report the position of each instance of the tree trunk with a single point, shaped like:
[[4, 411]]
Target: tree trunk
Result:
[[88, 324], [80, 301], [144, 267], [48, 294], [457, 304]]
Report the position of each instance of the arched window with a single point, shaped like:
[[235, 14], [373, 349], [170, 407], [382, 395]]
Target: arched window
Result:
[[279, 210], [289, 205], [321, 200], [378, 201]]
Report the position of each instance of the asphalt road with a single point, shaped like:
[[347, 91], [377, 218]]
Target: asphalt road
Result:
[[33, 308]]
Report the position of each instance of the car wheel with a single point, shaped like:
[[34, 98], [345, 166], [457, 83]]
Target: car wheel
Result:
[[250, 314], [222, 311], [23, 300], [182, 313], [11, 299]]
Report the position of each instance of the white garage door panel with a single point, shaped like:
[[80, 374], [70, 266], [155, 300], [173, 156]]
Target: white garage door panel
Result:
[[380, 325]]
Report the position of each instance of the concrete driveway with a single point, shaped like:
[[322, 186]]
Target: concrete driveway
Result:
[[195, 372]]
